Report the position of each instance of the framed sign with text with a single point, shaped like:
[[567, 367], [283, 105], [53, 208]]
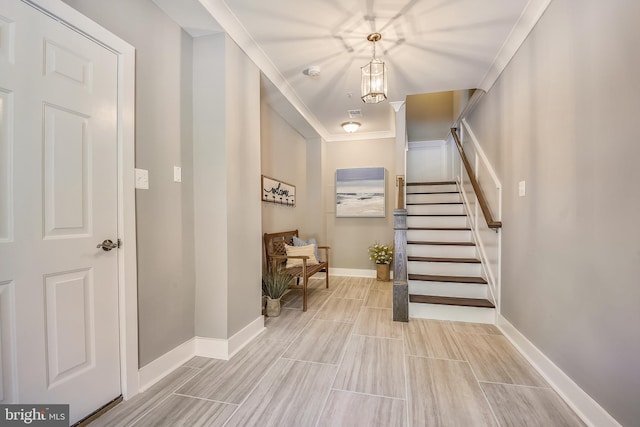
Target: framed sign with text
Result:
[[278, 192]]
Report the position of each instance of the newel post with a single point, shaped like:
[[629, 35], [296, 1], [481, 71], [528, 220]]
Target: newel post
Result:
[[400, 286]]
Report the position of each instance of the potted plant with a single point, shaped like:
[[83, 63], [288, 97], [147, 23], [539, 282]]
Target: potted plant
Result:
[[274, 285], [382, 255]]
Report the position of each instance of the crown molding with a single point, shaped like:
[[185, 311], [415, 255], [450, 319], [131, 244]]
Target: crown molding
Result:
[[189, 14], [360, 136], [527, 21], [239, 34]]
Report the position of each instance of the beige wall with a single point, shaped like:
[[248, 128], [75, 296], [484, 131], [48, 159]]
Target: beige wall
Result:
[[283, 157], [310, 165], [429, 116], [163, 140], [349, 238], [561, 117]]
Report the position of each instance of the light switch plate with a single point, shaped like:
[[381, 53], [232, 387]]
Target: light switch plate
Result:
[[177, 174], [522, 190], [142, 179]]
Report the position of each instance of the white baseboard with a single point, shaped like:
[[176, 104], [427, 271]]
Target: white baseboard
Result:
[[353, 272], [198, 346], [591, 413], [214, 348], [224, 349], [245, 336], [165, 364]]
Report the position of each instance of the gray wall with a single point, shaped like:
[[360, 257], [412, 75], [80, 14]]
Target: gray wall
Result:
[[562, 118], [244, 231], [163, 140], [210, 186], [349, 238], [227, 191]]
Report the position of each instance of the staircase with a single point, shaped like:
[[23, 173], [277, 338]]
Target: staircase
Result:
[[445, 274]]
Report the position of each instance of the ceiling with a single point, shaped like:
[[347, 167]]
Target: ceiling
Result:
[[428, 46]]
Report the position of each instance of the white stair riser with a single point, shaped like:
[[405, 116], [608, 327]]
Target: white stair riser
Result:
[[442, 251], [448, 289], [445, 268], [439, 235], [433, 198], [435, 209], [431, 188], [437, 221], [452, 312]]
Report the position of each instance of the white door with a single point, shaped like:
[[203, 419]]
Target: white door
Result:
[[58, 200]]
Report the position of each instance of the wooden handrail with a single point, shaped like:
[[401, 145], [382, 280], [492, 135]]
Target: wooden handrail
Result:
[[400, 185], [491, 223]]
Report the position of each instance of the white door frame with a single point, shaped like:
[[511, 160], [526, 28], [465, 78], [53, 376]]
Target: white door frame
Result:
[[127, 268]]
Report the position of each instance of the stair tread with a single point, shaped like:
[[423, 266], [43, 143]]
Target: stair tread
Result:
[[435, 192], [432, 183], [462, 214], [452, 279], [415, 242], [433, 203], [466, 302], [444, 259], [441, 228]]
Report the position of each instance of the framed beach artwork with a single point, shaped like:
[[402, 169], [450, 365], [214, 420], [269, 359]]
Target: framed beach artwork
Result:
[[360, 193], [278, 192]]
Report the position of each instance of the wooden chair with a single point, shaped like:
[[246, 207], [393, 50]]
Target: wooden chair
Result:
[[276, 257]]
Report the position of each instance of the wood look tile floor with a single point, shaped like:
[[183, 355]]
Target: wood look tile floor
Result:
[[346, 363]]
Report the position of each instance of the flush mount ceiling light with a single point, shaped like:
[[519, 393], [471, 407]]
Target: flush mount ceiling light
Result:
[[374, 76], [350, 127]]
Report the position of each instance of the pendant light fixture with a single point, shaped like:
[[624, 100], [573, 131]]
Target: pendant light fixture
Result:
[[374, 76]]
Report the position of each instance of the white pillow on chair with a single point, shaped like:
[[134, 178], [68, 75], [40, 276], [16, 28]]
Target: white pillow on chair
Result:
[[308, 250], [299, 242]]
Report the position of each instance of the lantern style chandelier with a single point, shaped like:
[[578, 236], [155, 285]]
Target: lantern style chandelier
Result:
[[374, 76]]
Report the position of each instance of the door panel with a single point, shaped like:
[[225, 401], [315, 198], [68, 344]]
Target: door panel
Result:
[[69, 325], [67, 64], [6, 147], [58, 200], [66, 167], [7, 344], [7, 39]]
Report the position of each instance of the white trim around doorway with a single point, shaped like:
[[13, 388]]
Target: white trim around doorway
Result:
[[127, 270]]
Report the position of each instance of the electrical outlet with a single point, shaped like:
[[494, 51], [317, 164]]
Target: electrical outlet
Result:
[[522, 190], [177, 174]]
